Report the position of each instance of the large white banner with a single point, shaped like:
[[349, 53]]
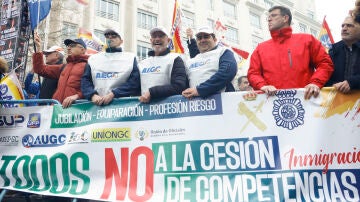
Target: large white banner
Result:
[[228, 147]]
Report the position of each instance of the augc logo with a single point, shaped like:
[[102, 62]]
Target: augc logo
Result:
[[43, 140], [151, 69]]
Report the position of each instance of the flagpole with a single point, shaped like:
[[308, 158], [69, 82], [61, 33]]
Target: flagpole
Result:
[[38, 17]]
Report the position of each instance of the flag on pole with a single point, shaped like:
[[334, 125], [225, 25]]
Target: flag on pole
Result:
[[220, 29], [241, 55], [175, 43], [93, 44], [325, 36], [38, 9], [219, 26]]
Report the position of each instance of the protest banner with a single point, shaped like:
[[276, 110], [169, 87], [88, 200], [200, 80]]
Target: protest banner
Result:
[[227, 147]]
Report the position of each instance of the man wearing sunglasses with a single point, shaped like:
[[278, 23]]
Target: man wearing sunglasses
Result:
[[68, 88], [212, 70], [111, 74], [162, 73], [288, 60]]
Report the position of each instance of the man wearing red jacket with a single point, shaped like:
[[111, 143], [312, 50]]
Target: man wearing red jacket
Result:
[[68, 88], [288, 60]]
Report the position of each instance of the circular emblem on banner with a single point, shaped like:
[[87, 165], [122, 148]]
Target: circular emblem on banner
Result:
[[27, 140], [288, 111]]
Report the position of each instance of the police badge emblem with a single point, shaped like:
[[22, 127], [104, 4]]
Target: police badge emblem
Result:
[[288, 111]]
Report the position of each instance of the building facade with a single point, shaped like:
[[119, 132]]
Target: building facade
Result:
[[245, 20]]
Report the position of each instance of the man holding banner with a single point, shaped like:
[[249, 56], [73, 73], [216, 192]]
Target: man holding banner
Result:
[[68, 89], [111, 74], [212, 70], [163, 73], [288, 60], [346, 57]]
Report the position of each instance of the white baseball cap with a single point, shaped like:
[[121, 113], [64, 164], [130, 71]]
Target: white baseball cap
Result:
[[159, 29], [206, 30], [55, 49]]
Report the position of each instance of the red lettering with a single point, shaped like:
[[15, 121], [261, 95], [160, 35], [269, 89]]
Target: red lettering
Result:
[[122, 180], [149, 169], [112, 173]]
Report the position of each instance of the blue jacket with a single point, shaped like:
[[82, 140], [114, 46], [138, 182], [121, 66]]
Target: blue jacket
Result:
[[31, 87], [130, 88], [338, 56], [227, 70]]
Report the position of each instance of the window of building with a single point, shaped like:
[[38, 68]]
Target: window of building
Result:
[[142, 50], [69, 31], [314, 32], [146, 20], [107, 9], [188, 19], [255, 20], [310, 14], [268, 4], [231, 34], [100, 35], [255, 41], [210, 4], [229, 9], [210, 23], [302, 27]]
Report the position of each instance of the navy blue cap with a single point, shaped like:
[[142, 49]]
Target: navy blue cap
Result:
[[78, 41]]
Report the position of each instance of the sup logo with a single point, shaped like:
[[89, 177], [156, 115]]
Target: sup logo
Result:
[[288, 111], [43, 140], [11, 121]]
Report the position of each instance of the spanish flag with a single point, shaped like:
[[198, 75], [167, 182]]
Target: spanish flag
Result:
[[175, 44], [325, 36]]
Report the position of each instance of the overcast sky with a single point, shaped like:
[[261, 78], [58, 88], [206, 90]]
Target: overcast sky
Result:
[[335, 11]]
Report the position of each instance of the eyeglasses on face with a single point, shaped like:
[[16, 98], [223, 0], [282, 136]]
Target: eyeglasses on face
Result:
[[203, 36], [273, 15]]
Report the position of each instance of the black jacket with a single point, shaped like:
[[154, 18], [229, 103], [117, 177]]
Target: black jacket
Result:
[[338, 57]]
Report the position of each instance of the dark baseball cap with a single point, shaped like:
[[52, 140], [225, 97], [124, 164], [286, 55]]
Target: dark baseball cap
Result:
[[76, 41]]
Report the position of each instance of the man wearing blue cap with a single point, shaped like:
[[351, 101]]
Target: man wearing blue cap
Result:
[[111, 74], [68, 89]]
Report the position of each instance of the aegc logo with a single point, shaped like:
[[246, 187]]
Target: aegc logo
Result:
[[43, 140], [11, 121]]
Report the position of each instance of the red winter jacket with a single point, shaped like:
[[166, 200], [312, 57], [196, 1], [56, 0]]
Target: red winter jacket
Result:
[[289, 61], [69, 77]]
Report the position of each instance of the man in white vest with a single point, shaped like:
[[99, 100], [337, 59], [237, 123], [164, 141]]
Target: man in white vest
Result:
[[111, 74], [162, 73], [212, 70]]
